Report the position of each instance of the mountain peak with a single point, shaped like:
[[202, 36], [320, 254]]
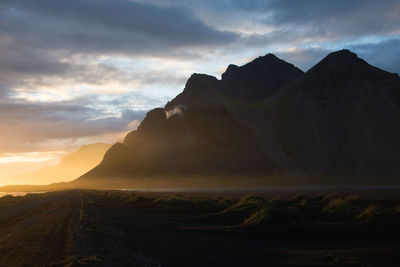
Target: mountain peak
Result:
[[344, 53], [344, 65], [154, 120], [196, 86], [267, 61], [270, 56], [198, 79], [343, 58], [259, 78]]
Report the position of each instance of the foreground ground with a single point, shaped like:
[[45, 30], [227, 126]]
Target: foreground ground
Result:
[[114, 228]]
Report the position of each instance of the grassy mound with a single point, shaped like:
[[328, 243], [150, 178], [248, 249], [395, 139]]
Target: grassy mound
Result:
[[369, 214], [273, 211], [341, 207]]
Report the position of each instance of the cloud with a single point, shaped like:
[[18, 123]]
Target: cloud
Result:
[[25, 126], [79, 69], [52, 48], [50, 42], [102, 26], [311, 19], [303, 58], [330, 18], [383, 54], [30, 70]]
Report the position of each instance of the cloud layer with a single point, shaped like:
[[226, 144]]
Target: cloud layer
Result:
[[87, 70]]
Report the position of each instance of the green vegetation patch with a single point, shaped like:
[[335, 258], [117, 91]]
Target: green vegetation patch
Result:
[[248, 203], [181, 201], [369, 214], [274, 215], [271, 212], [341, 207]]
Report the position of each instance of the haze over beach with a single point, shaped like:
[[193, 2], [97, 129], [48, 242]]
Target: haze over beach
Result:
[[199, 133]]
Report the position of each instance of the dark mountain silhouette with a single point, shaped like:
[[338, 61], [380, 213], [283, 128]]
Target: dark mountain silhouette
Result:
[[258, 79], [200, 90], [238, 86], [197, 141], [338, 122], [344, 119]]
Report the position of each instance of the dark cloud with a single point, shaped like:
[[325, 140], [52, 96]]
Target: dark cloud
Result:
[[317, 19], [329, 18], [98, 26]]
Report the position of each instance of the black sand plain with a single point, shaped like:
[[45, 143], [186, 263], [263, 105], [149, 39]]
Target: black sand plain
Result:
[[354, 226]]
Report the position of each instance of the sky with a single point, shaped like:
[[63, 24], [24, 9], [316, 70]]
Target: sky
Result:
[[84, 71]]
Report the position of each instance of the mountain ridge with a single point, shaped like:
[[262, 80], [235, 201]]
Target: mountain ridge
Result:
[[339, 119]]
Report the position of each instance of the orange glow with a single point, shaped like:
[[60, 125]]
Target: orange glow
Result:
[[31, 157], [46, 167]]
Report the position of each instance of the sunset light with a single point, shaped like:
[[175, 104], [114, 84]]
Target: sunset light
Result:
[[199, 133], [52, 156]]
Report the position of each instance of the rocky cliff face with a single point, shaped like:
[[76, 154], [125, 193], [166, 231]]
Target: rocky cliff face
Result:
[[196, 141], [340, 119]]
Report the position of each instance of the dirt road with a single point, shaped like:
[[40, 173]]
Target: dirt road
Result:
[[39, 232]]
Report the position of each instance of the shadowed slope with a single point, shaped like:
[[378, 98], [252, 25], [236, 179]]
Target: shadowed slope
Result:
[[198, 141], [342, 118]]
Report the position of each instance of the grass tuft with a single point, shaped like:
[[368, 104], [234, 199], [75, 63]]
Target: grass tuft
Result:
[[180, 201], [369, 214], [338, 207], [274, 215]]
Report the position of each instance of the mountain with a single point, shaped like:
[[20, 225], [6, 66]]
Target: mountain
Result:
[[70, 166], [336, 123], [196, 141], [238, 86], [343, 119], [258, 79]]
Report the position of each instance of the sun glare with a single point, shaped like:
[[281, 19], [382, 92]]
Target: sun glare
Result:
[[30, 157]]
